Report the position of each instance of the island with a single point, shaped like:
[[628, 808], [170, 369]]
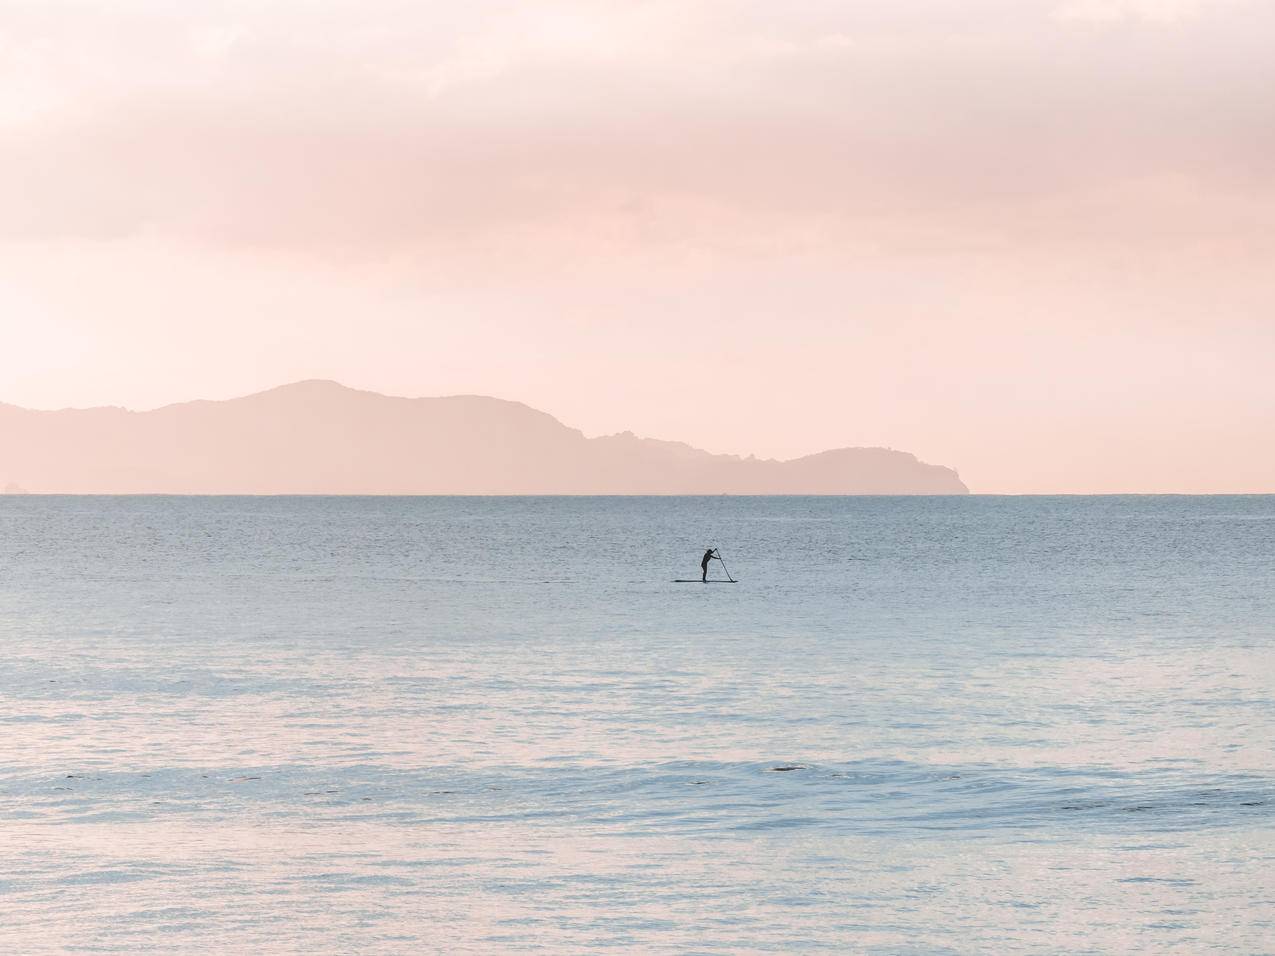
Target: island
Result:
[[321, 437]]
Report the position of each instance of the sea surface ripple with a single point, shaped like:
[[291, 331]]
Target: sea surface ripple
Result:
[[477, 725]]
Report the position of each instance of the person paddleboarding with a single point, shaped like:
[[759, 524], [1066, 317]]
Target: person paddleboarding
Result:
[[712, 554], [709, 555]]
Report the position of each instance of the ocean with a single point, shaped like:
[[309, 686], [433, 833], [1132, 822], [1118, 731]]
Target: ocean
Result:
[[966, 725]]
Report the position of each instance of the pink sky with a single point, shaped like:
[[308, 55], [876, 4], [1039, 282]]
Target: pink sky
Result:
[[1030, 239]]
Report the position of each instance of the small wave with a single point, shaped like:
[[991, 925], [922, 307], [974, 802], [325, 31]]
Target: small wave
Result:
[[866, 797]]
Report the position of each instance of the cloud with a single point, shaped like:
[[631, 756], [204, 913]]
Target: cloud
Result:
[[377, 127], [1154, 11]]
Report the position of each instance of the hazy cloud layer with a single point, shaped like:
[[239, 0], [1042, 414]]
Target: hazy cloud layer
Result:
[[399, 123]]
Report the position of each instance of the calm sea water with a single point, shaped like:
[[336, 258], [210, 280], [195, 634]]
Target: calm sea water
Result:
[[379, 725]]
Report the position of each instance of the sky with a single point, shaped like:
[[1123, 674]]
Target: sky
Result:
[[1032, 240]]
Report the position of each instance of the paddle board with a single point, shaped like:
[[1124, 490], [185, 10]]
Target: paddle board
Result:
[[698, 581]]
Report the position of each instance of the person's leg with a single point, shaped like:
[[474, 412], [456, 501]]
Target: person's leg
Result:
[[704, 576]]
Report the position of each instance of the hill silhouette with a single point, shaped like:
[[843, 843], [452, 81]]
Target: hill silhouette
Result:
[[319, 437]]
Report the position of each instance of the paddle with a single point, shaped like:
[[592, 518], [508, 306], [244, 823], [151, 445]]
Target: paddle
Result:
[[719, 558]]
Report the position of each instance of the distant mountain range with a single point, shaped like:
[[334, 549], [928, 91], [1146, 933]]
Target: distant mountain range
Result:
[[320, 437]]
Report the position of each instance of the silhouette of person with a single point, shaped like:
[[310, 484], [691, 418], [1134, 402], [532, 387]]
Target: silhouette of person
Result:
[[708, 556]]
